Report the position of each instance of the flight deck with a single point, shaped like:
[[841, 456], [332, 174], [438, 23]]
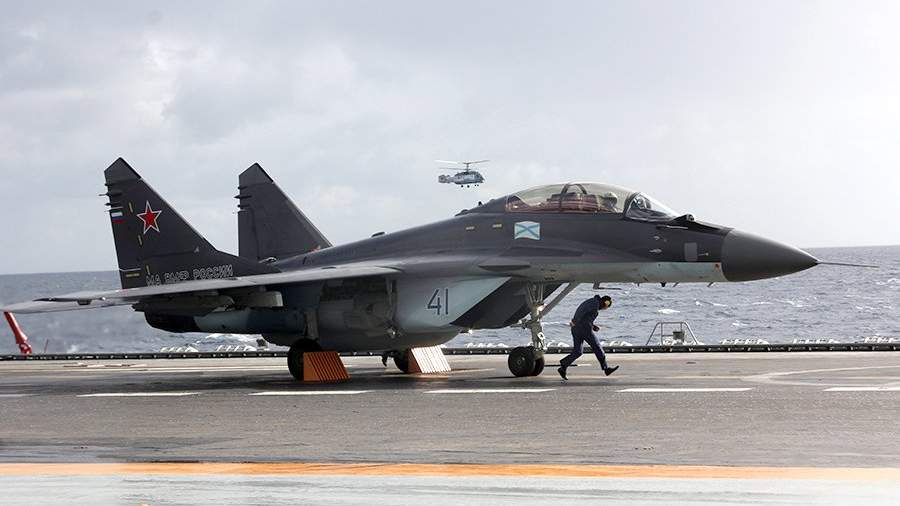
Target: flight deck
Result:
[[661, 417], [821, 409]]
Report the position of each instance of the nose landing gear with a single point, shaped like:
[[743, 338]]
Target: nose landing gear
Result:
[[526, 361], [529, 360]]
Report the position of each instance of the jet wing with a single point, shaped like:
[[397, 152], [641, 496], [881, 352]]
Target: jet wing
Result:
[[43, 306], [127, 296]]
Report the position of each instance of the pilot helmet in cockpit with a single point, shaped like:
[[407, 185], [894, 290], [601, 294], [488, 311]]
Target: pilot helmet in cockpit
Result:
[[608, 202]]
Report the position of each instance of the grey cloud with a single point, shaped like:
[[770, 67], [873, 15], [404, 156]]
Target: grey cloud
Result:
[[761, 115]]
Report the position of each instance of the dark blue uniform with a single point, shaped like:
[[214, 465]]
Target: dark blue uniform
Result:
[[583, 331]]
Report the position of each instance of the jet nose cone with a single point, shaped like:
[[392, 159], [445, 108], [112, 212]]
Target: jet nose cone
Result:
[[747, 257]]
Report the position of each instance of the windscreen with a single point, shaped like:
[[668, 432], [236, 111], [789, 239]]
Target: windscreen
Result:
[[645, 207]]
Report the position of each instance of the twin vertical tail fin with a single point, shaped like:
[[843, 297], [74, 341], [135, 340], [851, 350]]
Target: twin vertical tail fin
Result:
[[269, 224], [154, 244]]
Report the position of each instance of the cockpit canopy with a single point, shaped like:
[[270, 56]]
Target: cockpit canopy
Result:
[[588, 198]]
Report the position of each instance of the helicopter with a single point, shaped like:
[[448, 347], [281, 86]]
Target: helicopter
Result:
[[466, 177]]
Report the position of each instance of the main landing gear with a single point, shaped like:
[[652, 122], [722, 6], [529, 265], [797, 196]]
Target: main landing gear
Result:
[[529, 360], [401, 359], [295, 356]]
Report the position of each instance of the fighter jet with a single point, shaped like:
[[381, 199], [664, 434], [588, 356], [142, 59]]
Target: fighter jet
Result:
[[504, 263]]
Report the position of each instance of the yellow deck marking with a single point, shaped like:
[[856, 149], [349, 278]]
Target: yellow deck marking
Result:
[[376, 469]]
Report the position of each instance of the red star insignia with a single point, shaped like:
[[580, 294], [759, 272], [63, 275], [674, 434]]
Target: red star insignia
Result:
[[149, 217]]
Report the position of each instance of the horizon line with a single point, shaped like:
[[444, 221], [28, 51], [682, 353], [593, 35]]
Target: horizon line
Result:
[[114, 269]]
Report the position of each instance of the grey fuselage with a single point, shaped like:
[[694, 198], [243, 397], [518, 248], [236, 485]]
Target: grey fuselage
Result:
[[571, 248], [489, 255]]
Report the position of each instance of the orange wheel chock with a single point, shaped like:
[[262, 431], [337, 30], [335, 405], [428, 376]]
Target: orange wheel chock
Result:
[[323, 367]]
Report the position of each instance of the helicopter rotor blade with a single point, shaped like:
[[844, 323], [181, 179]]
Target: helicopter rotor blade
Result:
[[465, 162]]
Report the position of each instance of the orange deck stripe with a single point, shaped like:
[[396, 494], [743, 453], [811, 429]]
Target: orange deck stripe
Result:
[[376, 469]]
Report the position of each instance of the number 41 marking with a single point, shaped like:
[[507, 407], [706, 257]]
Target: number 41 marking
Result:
[[436, 303]]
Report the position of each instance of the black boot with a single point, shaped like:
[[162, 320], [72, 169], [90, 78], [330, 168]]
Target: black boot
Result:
[[562, 372], [610, 370]]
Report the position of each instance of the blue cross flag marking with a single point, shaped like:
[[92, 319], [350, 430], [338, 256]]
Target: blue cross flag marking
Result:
[[527, 230]]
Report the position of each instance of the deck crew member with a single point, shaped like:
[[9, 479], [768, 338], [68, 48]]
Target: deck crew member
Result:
[[583, 329]]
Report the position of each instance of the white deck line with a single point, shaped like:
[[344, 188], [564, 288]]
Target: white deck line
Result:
[[144, 369], [311, 392], [150, 370], [140, 394], [489, 390], [680, 390], [863, 389]]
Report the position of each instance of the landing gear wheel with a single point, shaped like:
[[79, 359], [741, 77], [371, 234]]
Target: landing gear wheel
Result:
[[295, 356], [522, 361], [401, 360], [538, 366]]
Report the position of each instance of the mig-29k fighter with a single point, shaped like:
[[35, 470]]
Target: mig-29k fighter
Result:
[[493, 266]]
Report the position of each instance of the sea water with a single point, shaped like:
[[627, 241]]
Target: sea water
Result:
[[842, 304]]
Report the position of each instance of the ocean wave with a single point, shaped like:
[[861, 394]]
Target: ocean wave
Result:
[[791, 303], [668, 311], [707, 303], [213, 338]]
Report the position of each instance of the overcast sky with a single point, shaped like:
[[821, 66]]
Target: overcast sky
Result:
[[779, 118]]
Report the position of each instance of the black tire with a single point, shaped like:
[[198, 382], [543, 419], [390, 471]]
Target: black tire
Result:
[[538, 366], [522, 360], [402, 361], [295, 356]]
